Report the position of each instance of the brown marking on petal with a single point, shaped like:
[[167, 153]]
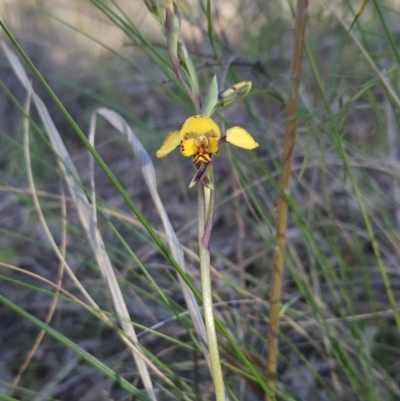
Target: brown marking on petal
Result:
[[202, 150], [189, 135], [202, 157], [211, 134]]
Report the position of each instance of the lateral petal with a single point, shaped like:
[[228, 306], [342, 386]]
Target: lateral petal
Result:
[[200, 125], [213, 145], [240, 137], [188, 147], [170, 143]]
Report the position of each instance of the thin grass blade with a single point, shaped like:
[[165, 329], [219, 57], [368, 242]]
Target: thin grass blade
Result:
[[149, 176], [86, 216]]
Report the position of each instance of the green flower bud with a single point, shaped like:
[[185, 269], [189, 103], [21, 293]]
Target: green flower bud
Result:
[[234, 93], [172, 28]]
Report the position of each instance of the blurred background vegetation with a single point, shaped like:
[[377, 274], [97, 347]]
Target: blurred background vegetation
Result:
[[339, 338]]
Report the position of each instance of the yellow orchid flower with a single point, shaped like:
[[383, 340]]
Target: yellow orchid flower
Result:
[[200, 137]]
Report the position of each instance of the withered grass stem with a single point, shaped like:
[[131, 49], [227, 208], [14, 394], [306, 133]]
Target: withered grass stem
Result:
[[282, 216]]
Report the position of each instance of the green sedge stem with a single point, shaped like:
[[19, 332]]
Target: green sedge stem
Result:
[[206, 207]]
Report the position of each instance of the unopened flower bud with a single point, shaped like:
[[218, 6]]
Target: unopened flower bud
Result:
[[234, 93], [172, 27]]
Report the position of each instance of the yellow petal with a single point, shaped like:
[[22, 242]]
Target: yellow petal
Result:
[[170, 143], [240, 137], [188, 147], [200, 125], [213, 146]]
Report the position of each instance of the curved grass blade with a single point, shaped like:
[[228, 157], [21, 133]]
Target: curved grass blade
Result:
[[358, 193], [222, 328], [77, 349], [147, 168], [86, 217], [63, 246], [98, 159]]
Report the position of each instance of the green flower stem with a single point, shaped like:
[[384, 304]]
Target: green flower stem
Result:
[[206, 206]]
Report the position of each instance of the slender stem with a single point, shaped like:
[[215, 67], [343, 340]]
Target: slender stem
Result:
[[281, 223], [206, 207]]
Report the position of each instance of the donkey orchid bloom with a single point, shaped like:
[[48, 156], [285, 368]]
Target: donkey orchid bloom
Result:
[[200, 137]]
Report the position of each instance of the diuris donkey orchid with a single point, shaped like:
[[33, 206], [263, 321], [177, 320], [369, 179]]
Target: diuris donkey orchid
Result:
[[200, 137]]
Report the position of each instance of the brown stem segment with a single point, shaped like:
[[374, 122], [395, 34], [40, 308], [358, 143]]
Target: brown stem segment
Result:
[[286, 162]]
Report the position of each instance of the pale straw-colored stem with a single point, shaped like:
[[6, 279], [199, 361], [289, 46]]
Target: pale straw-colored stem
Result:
[[281, 223], [206, 205]]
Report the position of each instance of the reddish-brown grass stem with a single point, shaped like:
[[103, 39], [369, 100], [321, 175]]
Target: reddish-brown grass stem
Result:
[[286, 163]]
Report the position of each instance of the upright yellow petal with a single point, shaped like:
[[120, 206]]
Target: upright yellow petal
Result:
[[200, 125], [240, 137], [188, 147], [170, 143]]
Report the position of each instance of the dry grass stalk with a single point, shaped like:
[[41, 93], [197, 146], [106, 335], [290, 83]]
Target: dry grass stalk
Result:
[[63, 247], [286, 161]]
